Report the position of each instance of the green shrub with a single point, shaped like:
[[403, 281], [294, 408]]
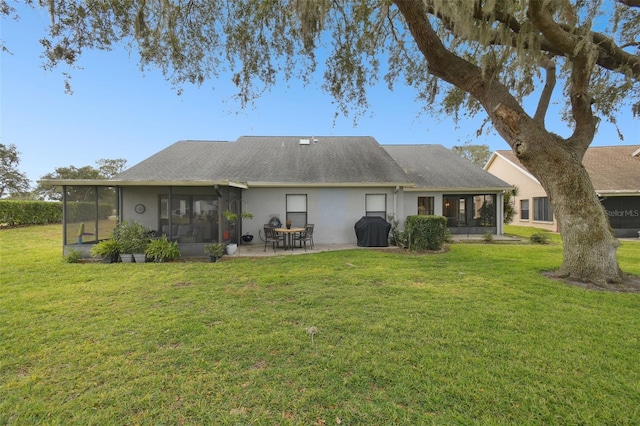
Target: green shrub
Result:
[[22, 212], [162, 249], [426, 232], [73, 256], [109, 249], [539, 238], [80, 211], [488, 237], [398, 238], [214, 249], [132, 237], [31, 212]]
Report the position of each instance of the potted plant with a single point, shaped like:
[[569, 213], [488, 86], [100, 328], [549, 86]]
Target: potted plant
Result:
[[214, 250], [288, 223], [108, 250], [230, 216], [162, 250], [232, 219], [133, 238]]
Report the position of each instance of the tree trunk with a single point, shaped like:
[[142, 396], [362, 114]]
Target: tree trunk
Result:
[[589, 244]]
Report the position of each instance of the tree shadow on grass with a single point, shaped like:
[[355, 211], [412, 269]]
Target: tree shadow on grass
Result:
[[631, 283]]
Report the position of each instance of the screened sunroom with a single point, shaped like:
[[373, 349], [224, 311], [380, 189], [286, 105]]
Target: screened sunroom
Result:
[[192, 215]]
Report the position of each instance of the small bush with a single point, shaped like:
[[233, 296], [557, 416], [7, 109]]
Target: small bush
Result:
[[426, 232], [73, 256], [109, 248], [162, 250], [488, 237], [132, 237], [398, 238], [214, 249], [539, 238]]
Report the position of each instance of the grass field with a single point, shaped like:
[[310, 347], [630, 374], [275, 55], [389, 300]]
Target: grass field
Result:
[[472, 336]]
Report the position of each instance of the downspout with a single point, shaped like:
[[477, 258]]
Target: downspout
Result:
[[500, 215], [170, 213], [395, 201], [64, 217], [97, 214], [119, 204], [216, 188]]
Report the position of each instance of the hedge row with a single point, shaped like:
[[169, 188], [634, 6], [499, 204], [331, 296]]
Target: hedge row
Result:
[[426, 232], [13, 212]]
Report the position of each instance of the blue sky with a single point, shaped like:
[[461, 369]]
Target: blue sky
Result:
[[116, 111]]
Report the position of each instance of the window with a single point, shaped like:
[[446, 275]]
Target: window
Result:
[[297, 209], [524, 209], [376, 205], [542, 209], [425, 205]]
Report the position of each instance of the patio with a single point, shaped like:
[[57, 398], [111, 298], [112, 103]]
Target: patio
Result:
[[257, 248]]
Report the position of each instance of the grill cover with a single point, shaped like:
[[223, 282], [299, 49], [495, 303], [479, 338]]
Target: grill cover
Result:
[[372, 231]]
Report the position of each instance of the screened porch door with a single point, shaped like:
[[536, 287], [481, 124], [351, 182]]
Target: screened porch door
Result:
[[454, 209]]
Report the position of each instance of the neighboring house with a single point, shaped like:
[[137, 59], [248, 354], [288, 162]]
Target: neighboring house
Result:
[[615, 175], [183, 190]]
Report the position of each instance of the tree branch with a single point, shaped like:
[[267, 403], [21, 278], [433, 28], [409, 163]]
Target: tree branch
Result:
[[545, 96], [630, 3], [556, 38], [554, 33], [503, 109], [581, 67]]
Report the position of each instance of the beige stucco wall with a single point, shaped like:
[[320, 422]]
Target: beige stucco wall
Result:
[[528, 188]]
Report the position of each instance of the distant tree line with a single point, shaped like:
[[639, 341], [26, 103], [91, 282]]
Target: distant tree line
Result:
[[14, 184]]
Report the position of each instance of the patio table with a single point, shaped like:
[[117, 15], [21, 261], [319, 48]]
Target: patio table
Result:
[[288, 234]]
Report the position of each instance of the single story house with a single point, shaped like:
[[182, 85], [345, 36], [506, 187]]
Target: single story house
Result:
[[184, 190], [615, 175]]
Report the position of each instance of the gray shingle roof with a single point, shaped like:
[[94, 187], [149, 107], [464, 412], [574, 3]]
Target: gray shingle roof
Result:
[[611, 168], [436, 167], [325, 160], [185, 161], [272, 159]]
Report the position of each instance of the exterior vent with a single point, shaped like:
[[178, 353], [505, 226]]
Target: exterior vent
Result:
[[304, 141]]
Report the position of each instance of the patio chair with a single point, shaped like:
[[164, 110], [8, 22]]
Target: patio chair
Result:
[[271, 236], [306, 235]]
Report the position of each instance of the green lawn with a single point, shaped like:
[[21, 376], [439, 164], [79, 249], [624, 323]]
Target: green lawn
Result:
[[472, 336]]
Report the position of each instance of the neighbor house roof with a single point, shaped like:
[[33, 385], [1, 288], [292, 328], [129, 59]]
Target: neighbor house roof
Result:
[[612, 169], [434, 167]]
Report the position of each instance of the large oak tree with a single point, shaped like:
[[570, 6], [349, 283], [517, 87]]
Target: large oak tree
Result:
[[484, 56]]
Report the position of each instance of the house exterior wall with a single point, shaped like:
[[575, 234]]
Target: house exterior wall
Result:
[[148, 197], [528, 189], [333, 211]]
